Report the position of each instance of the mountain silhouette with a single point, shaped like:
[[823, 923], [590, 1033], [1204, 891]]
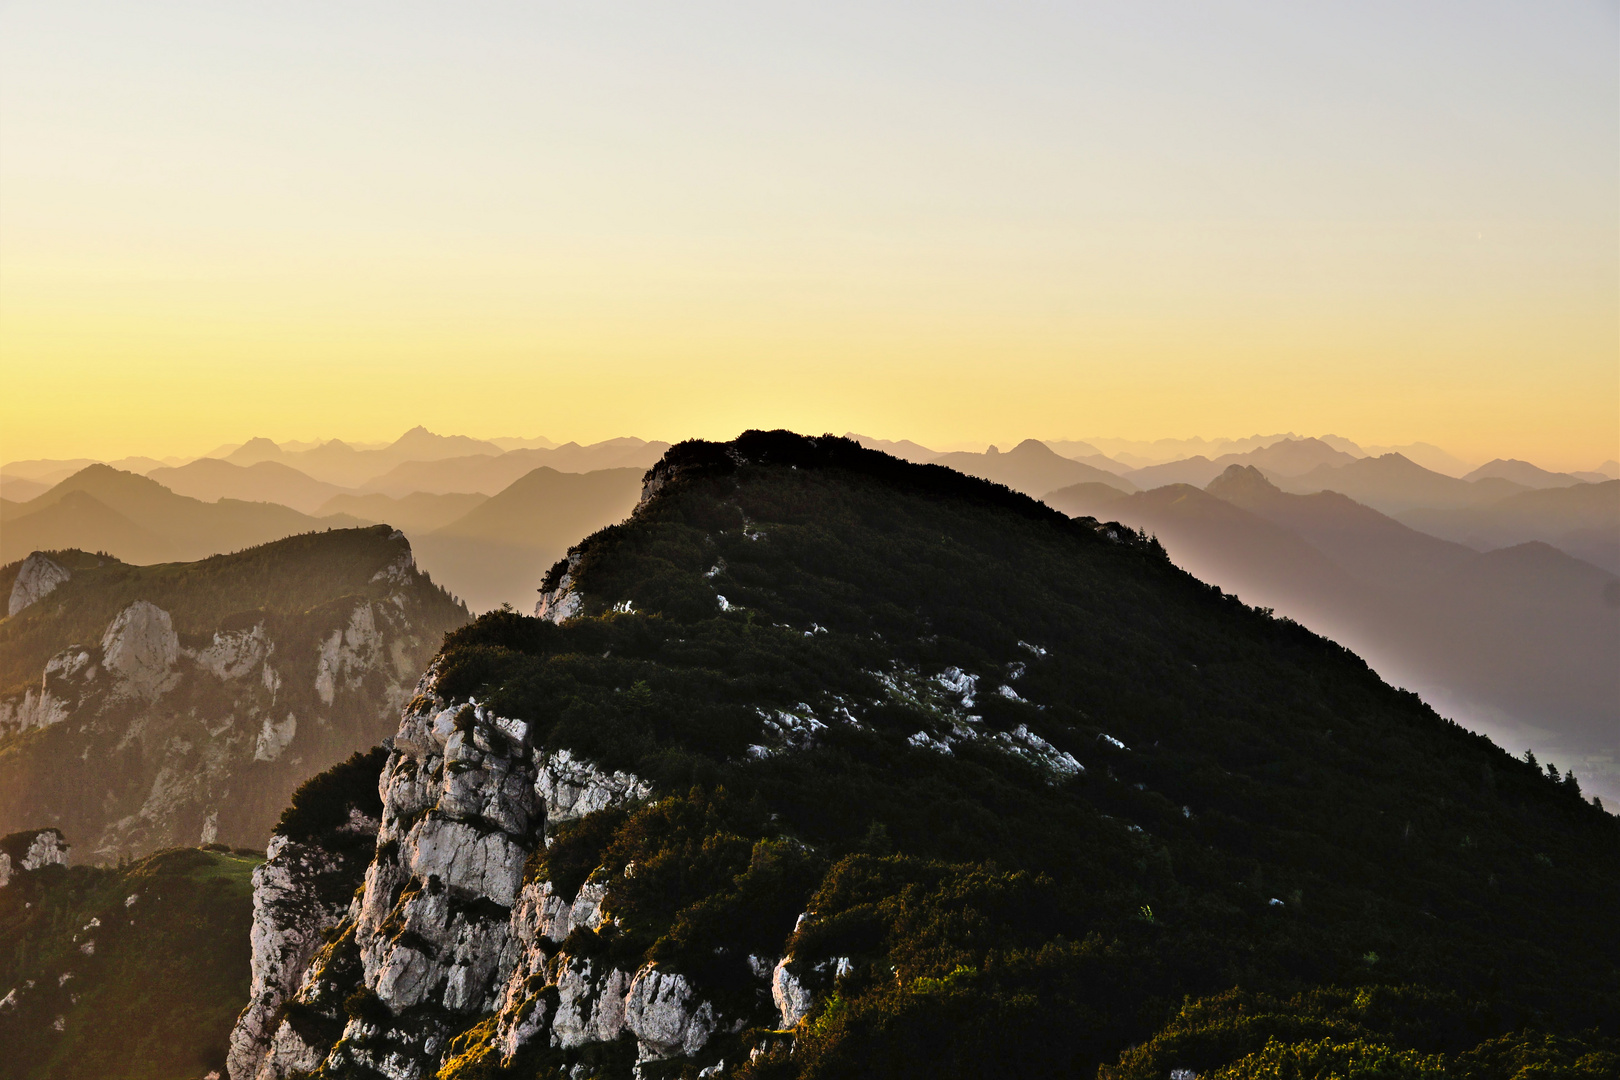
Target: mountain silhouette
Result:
[[416, 513], [1031, 467], [1288, 457], [1581, 519], [499, 551], [211, 479], [138, 519], [1392, 483], [1522, 472], [490, 473]]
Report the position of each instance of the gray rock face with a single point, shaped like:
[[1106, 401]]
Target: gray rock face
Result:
[[660, 1009], [562, 602], [445, 925], [140, 648], [299, 892], [36, 578], [573, 788], [31, 851], [793, 999]]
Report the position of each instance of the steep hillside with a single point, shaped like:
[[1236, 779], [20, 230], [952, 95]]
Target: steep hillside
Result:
[[829, 765], [500, 549], [1519, 644], [133, 972], [137, 519], [147, 706]]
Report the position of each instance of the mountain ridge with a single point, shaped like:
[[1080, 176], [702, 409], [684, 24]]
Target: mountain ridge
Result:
[[824, 764]]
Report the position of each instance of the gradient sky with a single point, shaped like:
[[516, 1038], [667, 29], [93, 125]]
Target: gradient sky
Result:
[[942, 221]]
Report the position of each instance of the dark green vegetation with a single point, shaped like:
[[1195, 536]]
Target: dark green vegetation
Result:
[[1388, 1033], [1282, 821], [105, 986]]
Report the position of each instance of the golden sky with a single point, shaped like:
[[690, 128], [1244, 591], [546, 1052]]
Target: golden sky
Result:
[[1391, 222]]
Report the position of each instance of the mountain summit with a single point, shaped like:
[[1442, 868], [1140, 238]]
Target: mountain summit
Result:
[[825, 764]]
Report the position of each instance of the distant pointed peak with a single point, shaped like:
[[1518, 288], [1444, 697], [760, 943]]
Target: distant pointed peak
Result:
[[1241, 480]]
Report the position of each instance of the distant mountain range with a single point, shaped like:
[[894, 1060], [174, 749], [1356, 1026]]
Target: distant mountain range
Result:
[[1290, 457], [499, 551], [1520, 641], [1031, 467], [139, 520]]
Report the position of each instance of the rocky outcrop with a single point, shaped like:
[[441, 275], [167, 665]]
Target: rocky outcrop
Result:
[[32, 850], [791, 996], [573, 788], [301, 891], [445, 928], [38, 576], [139, 649], [560, 598]]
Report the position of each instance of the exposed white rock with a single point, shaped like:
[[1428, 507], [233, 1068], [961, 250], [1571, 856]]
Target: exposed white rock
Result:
[[37, 578], [140, 648], [1036, 750], [399, 571], [468, 860], [564, 601], [290, 915], [959, 682], [347, 654], [793, 999], [571, 787], [274, 737], [46, 848], [591, 1004], [662, 1013], [37, 709], [235, 653]]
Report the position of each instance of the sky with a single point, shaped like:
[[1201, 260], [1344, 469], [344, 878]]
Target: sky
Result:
[[947, 222]]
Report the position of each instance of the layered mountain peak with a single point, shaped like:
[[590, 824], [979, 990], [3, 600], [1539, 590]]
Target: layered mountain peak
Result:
[[828, 764], [1242, 483]]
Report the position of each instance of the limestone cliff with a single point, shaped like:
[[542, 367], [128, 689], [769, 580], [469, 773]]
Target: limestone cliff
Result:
[[447, 926]]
